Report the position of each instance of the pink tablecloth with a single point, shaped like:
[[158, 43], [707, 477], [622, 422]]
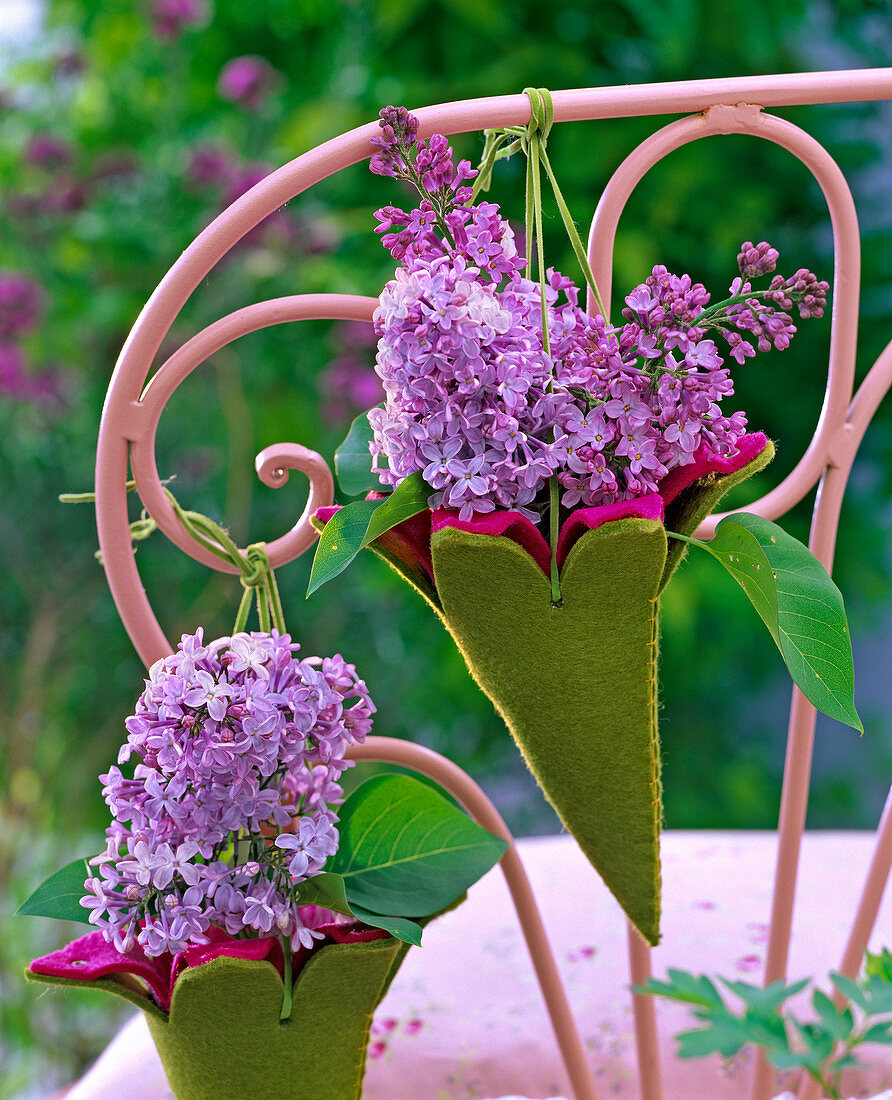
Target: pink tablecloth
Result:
[[463, 1018]]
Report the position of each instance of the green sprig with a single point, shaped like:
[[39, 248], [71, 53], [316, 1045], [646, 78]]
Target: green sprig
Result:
[[822, 1047]]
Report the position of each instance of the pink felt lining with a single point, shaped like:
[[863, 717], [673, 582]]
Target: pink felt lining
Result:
[[415, 533], [353, 931], [512, 525], [705, 463], [587, 519], [268, 948], [90, 957]]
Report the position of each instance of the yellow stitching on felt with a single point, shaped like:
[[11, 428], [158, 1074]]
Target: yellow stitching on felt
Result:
[[655, 778]]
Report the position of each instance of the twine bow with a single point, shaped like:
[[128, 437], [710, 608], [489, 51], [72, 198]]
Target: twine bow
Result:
[[253, 565], [532, 140]]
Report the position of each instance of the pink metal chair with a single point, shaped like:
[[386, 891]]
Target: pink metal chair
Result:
[[135, 403]]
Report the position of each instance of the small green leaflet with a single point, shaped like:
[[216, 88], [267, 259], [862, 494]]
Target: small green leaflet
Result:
[[353, 459], [407, 500], [358, 524], [399, 927], [406, 851], [798, 602], [325, 890], [60, 895], [340, 541]]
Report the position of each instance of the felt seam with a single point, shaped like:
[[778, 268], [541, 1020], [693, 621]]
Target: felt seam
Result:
[[654, 757]]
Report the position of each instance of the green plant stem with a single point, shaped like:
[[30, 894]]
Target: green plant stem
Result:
[[288, 979], [554, 525], [275, 602], [534, 152], [733, 301]]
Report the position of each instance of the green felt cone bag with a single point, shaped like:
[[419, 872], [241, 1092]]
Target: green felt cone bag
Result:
[[577, 684], [223, 1037]]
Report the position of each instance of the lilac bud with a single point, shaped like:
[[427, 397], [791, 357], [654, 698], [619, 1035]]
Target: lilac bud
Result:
[[756, 260]]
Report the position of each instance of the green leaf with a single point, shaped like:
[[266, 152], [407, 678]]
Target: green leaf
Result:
[[684, 987], [768, 997], [60, 895], [353, 459], [879, 965], [406, 930], [798, 602], [818, 1040], [325, 890], [791, 1059], [359, 524], [725, 1037], [766, 1028], [878, 1033], [837, 1022], [406, 851], [341, 541], [879, 990], [850, 989], [407, 500]]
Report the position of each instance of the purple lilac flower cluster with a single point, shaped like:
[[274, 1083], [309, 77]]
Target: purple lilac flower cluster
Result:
[[21, 307], [240, 747], [476, 403]]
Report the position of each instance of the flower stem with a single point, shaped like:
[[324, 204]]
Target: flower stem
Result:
[[735, 300], [288, 995], [275, 602], [554, 525]]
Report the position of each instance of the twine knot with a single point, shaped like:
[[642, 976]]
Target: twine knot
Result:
[[541, 117], [254, 565]]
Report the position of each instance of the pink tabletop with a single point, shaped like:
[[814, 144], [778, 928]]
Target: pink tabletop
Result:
[[463, 1018]]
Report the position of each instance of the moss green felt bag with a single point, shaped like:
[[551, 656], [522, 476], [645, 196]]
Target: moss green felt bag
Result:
[[576, 684], [223, 1037]]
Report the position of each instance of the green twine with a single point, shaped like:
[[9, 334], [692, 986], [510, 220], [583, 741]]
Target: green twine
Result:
[[532, 140], [499, 144], [533, 144], [255, 573], [256, 576]]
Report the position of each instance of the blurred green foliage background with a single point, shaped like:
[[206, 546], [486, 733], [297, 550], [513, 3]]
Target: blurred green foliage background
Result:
[[120, 139]]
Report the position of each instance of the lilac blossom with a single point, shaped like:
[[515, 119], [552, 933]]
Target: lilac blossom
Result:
[[208, 167], [47, 151], [234, 744], [21, 300], [475, 402], [248, 81], [170, 18]]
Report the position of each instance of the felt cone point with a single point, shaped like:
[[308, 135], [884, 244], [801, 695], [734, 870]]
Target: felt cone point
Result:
[[575, 684]]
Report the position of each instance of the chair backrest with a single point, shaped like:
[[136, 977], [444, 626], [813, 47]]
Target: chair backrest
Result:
[[134, 406]]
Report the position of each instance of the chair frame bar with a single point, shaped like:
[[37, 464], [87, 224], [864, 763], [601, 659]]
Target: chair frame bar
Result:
[[135, 403]]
